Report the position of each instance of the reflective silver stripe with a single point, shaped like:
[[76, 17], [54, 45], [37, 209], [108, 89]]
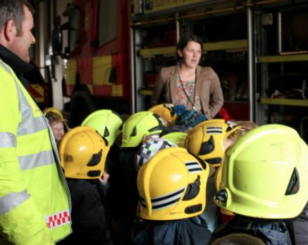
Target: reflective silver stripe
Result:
[[167, 200], [142, 202], [28, 124], [40, 159], [12, 200], [29, 128], [214, 130], [7, 140], [193, 167]]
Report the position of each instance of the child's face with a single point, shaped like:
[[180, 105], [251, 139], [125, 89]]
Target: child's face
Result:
[[229, 141], [58, 130]]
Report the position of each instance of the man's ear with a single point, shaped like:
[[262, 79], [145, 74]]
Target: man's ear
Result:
[[10, 30]]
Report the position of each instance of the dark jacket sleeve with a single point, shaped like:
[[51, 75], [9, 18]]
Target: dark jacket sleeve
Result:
[[88, 214], [300, 227]]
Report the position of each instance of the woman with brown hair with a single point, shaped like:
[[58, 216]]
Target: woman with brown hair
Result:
[[188, 83]]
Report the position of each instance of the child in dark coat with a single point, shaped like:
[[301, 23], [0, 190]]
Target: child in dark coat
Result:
[[264, 183], [172, 190], [83, 154]]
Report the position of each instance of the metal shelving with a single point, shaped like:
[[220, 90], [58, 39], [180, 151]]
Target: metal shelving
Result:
[[287, 102], [283, 58], [211, 46]]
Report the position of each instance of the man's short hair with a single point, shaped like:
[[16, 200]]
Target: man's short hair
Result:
[[14, 10]]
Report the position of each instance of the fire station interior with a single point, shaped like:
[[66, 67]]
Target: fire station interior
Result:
[[258, 48]]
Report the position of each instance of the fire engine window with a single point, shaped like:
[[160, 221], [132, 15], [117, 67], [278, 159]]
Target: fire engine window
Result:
[[74, 30], [107, 24]]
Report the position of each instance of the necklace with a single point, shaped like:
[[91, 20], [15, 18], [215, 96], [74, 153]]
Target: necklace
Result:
[[192, 102]]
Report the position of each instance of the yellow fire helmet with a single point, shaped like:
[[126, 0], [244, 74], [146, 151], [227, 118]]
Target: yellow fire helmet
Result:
[[265, 174], [165, 111], [177, 138], [172, 185], [83, 153], [53, 110], [107, 122], [57, 112], [140, 125], [207, 140]]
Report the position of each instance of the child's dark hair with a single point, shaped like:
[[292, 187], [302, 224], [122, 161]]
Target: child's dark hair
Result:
[[183, 43], [238, 239]]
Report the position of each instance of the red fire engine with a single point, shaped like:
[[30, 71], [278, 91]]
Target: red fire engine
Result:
[[39, 87], [98, 65]]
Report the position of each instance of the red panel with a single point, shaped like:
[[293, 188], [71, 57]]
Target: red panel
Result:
[[69, 89], [102, 90], [237, 110], [84, 68], [35, 93]]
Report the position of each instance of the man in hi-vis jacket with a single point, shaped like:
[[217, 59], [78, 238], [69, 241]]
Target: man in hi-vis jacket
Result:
[[34, 199]]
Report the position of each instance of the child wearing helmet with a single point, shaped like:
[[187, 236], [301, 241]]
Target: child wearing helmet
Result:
[[166, 112], [110, 124], [242, 128], [267, 189], [107, 122], [149, 148], [83, 153], [171, 186], [57, 123], [208, 141], [123, 188], [139, 126]]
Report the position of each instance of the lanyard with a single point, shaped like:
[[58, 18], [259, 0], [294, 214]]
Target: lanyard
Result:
[[186, 94]]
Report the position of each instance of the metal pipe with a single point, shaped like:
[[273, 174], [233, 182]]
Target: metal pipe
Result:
[[149, 22], [294, 52], [250, 62], [209, 12], [177, 28], [133, 67], [265, 2], [279, 33]]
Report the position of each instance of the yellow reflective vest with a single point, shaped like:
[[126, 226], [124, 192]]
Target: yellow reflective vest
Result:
[[34, 198]]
